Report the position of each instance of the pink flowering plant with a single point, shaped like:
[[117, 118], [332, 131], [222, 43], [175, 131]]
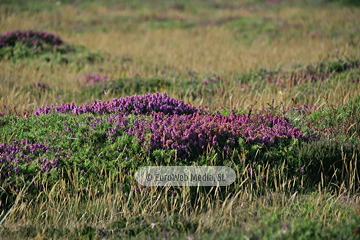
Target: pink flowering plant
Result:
[[154, 127], [190, 135]]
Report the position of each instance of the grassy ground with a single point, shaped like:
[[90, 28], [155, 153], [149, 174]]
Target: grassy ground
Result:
[[294, 59]]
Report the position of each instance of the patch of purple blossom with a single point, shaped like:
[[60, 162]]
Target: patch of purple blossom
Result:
[[162, 123], [13, 157], [136, 104], [30, 38], [195, 132]]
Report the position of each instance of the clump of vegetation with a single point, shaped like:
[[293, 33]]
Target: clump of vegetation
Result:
[[154, 128], [30, 44], [36, 40]]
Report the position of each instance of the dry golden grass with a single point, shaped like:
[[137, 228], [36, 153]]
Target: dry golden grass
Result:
[[234, 97], [206, 48]]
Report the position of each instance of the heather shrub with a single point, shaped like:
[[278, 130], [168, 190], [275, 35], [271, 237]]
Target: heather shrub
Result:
[[136, 104], [191, 134], [30, 44], [128, 133], [36, 40], [49, 147], [86, 139]]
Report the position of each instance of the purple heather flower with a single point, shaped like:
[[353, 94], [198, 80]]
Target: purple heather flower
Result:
[[196, 131], [136, 104], [30, 38]]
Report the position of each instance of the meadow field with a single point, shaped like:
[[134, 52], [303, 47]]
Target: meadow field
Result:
[[90, 91]]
